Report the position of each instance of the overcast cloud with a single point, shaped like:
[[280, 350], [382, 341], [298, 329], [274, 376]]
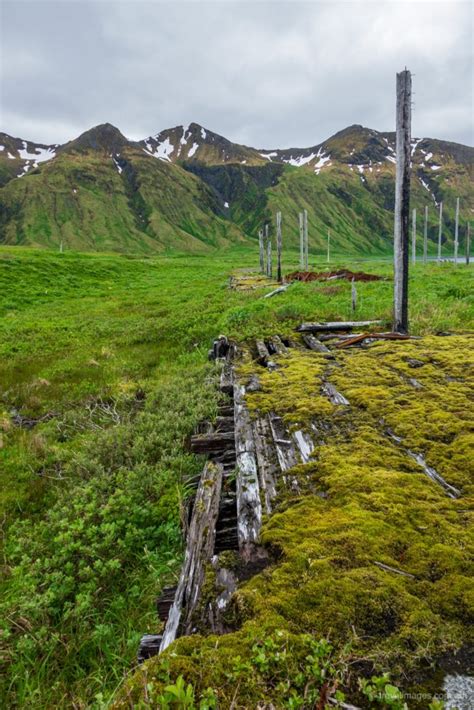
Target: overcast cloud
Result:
[[267, 74]]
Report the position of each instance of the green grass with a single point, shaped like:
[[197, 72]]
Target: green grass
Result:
[[114, 350]]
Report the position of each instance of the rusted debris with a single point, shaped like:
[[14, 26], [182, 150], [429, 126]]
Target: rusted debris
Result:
[[373, 336], [345, 274]]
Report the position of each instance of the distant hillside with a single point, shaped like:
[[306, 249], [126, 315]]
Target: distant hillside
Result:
[[102, 192], [188, 188]]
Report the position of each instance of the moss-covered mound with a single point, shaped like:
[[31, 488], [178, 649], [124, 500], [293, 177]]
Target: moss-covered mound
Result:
[[374, 570]]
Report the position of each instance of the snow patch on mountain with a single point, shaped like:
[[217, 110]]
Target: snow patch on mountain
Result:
[[40, 156], [300, 160], [193, 149], [162, 151], [269, 156]]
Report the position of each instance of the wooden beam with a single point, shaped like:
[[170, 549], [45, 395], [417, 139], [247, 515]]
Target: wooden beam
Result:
[[440, 229], [279, 245], [336, 325], [456, 233], [413, 237], [305, 223], [301, 241], [425, 236], [261, 251], [402, 202], [468, 243]]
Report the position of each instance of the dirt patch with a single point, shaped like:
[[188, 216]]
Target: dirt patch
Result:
[[346, 274]]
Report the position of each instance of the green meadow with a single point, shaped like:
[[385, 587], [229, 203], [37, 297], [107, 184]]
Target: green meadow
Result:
[[103, 376]]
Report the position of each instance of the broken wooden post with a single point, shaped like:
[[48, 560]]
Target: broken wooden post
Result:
[[425, 236], [468, 243], [279, 242], [413, 237], [329, 245], [301, 241], [353, 296], [305, 223], [456, 232], [402, 202], [261, 251], [61, 248], [440, 229]]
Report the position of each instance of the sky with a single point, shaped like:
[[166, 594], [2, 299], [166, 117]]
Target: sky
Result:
[[267, 74]]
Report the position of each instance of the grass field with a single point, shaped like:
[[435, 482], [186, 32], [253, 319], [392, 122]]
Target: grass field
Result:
[[103, 360]]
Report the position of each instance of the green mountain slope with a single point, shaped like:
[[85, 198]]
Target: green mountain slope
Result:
[[102, 192], [189, 189]]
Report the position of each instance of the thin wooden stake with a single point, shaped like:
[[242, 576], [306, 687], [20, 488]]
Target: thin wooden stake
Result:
[[353, 296], [468, 243], [402, 203], [440, 229], [269, 253], [301, 242], [279, 244], [305, 223], [425, 237], [329, 246], [456, 233], [261, 251], [413, 237], [61, 248]]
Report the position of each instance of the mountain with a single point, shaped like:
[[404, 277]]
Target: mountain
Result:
[[104, 192], [197, 144], [189, 188], [18, 156]]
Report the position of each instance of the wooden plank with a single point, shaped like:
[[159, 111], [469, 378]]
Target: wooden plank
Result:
[[336, 325], [211, 443], [199, 550], [313, 344], [402, 202], [249, 507], [333, 395]]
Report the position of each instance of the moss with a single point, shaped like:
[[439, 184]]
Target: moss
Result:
[[380, 507]]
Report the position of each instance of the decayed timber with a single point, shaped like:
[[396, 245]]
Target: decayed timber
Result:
[[262, 352], [313, 344], [211, 443], [199, 550], [333, 395], [402, 202], [281, 289], [336, 325], [387, 568], [149, 646], [249, 507], [267, 462], [276, 346]]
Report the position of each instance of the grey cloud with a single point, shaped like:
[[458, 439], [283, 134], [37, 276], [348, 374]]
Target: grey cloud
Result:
[[268, 74]]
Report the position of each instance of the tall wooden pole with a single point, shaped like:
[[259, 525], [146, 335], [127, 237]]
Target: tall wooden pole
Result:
[[279, 242], [261, 251], [301, 242], [456, 233], [305, 223], [329, 246], [413, 237], [440, 229], [269, 253], [402, 203], [425, 237], [468, 243]]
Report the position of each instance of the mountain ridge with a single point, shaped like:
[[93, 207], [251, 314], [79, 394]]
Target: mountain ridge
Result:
[[190, 188]]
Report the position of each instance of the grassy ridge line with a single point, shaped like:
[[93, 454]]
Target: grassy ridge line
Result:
[[115, 348]]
